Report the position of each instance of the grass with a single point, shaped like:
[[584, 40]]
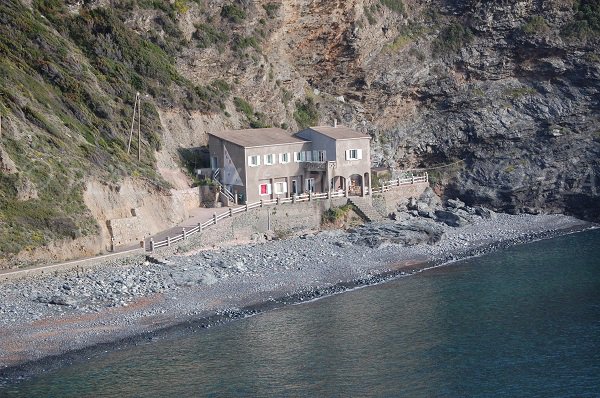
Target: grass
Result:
[[208, 36], [452, 39], [336, 214], [233, 13], [394, 5], [520, 92]]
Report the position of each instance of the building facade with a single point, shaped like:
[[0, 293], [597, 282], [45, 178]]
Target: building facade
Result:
[[269, 163]]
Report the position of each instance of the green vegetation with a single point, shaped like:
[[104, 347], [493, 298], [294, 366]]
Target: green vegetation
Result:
[[272, 9], [71, 79], [536, 25], [519, 92], [394, 5], [407, 34], [306, 113], [452, 39], [233, 13], [208, 36], [587, 20], [336, 214], [241, 43], [256, 120]]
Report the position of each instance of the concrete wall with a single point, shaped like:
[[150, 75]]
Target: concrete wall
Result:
[[387, 202]]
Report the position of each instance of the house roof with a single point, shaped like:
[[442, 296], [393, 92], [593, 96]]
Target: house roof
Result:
[[339, 132], [249, 138]]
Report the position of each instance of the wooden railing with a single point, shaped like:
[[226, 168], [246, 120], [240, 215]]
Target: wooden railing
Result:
[[386, 186]]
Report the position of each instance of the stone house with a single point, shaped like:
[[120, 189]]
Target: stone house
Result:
[[270, 163]]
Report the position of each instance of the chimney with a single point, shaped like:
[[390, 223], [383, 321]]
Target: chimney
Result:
[[335, 123]]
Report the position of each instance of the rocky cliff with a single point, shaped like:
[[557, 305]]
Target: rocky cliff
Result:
[[499, 100]]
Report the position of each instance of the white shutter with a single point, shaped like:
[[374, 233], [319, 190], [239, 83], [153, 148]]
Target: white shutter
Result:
[[285, 187], [359, 154], [347, 155], [250, 161], [269, 189], [281, 160], [295, 157]]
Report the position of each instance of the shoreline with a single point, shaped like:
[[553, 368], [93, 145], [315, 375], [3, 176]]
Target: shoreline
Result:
[[92, 334]]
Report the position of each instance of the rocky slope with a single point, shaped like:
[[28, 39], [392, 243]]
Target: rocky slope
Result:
[[504, 95]]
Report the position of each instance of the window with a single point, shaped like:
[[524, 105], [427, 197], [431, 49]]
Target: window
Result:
[[280, 188], [284, 158], [264, 189], [321, 157], [297, 157], [307, 156], [354, 154], [310, 184], [253, 161], [269, 159]]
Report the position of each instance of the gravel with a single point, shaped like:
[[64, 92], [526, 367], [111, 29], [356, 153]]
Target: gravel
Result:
[[129, 297]]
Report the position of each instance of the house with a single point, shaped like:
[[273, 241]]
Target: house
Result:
[[268, 163]]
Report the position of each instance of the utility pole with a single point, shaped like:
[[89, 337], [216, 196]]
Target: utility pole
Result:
[[137, 108]]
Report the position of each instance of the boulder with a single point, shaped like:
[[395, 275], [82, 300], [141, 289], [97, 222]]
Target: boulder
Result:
[[455, 204], [430, 198], [450, 218]]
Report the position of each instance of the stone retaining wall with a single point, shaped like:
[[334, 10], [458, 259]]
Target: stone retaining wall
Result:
[[387, 202]]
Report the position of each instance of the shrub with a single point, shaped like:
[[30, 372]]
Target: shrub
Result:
[[233, 12], [335, 214], [208, 36], [587, 20], [272, 9], [240, 43], [306, 113], [536, 25], [243, 106], [452, 39], [394, 5]]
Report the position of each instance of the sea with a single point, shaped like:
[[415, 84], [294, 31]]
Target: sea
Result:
[[522, 322]]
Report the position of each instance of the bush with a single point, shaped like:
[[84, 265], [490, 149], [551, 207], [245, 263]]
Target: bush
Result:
[[271, 9], [394, 5], [208, 36], [233, 13], [536, 25], [587, 20], [306, 113], [335, 214], [453, 38]]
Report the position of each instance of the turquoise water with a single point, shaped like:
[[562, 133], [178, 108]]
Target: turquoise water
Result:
[[522, 322]]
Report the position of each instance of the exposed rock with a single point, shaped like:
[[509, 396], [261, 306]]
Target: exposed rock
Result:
[[26, 190], [450, 218], [7, 166]]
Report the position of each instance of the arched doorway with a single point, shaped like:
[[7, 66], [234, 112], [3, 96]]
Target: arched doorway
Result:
[[338, 183], [355, 186]]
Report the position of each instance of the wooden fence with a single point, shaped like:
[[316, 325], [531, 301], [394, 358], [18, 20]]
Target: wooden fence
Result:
[[386, 186]]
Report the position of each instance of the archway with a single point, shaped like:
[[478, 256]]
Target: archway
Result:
[[355, 186], [338, 183]]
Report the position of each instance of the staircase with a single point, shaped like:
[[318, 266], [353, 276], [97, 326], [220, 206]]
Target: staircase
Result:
[[365, 209], [224, 189]]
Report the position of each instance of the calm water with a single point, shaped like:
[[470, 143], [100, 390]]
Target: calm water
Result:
[[523, 322]]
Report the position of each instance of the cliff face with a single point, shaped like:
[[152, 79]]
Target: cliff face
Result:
[[499, 99]]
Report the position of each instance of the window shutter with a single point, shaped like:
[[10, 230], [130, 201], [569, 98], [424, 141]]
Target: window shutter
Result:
[[284, 187], [359, 154], [281, 160], [347, 155], [249, 160], [269, 190], [296, 157]]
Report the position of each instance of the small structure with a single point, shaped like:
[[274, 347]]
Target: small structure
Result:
[[270, 163]]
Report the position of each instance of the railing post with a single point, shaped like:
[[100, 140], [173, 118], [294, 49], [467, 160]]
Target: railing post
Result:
[[399, 181], [184, 234], [199, 227], [152, 245], [294, 198], [426, 177], [215, 218], [413, 179], [230, 212], [168, 241], [261, 203], [310, 194], [246, 205], [278, 201]]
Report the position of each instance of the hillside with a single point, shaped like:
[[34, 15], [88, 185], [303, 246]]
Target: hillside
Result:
[[505, 93]]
